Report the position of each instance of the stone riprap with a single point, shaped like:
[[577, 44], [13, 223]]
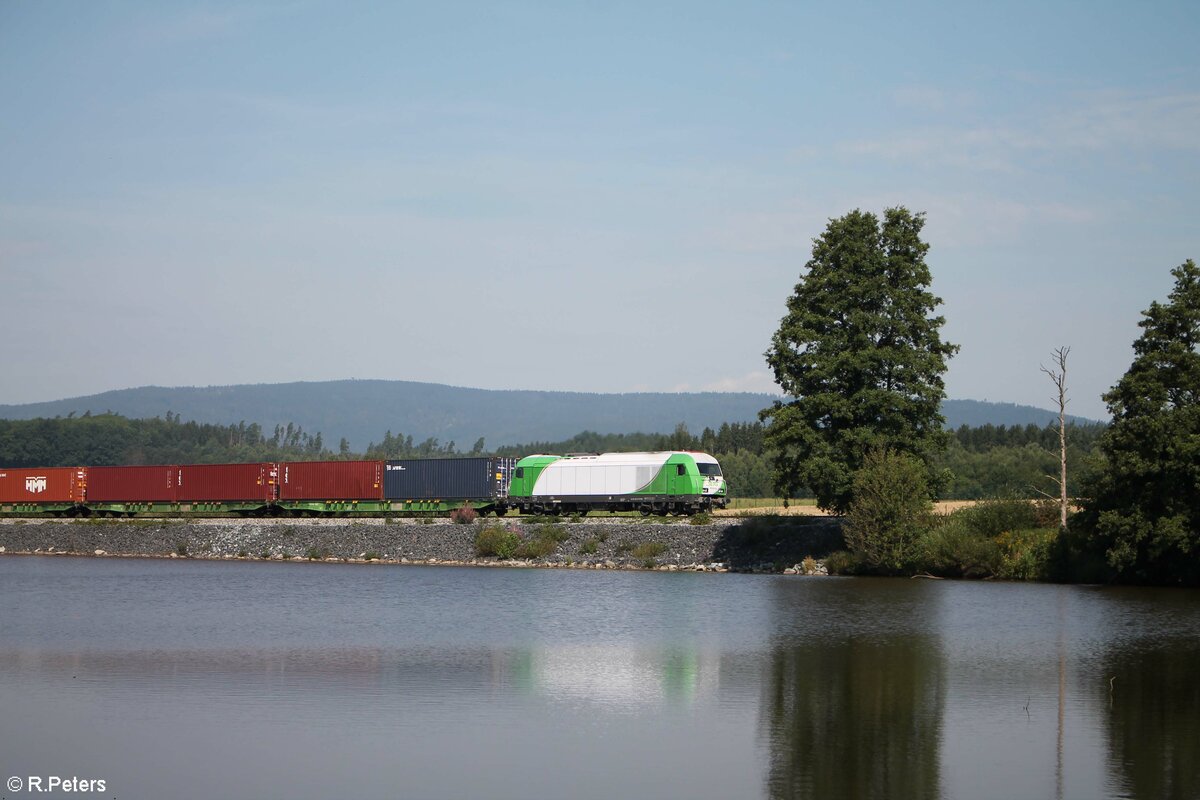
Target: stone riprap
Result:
[[740, 545]]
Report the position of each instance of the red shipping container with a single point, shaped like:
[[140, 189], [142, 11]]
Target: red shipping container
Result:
[[221, 483], [152, 484], [43, 485], [331, 480]]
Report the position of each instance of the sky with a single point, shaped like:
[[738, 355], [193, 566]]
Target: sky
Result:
[[583, 196]]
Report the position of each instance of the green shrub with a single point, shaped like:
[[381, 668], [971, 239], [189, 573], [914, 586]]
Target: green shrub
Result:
[[951, 549], [890, 511], [371, 555], [841, 562], [1027, 555], [991, 518], [648, 550], [703, 518], [624, 546], [589, 547], [555, 532], [181, 549], [536, 547], [317, 553], [497, 541]]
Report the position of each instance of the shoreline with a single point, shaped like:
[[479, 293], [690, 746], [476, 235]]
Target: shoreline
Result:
[[795, 545]]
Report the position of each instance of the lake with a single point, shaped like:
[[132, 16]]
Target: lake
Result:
[[201, 679]]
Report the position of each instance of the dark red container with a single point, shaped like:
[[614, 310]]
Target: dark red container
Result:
[[331, 480], [153, 484], [43, 485], [223, 483]]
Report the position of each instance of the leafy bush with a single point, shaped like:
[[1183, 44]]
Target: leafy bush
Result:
[[464, 516], [1027, 555], [890, 511], [543, 541], [953, 550], [841, 562], [536, 547], [624, 546], [703, 518], [589, 547], [316, 554], [498, 541], [991, 518], [371, 555]]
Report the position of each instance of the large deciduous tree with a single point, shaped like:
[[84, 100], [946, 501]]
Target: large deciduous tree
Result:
[[1143, 504], [859, 356]]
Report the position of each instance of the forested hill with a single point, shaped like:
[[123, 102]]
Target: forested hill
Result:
[[361, 411]]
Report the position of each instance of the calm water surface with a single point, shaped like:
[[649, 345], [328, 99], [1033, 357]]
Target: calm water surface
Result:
[[251, 680]]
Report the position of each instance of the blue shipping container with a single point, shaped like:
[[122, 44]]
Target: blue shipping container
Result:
[[447, 478]]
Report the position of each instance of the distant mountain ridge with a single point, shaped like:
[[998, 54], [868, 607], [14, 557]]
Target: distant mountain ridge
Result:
[[362, 411]]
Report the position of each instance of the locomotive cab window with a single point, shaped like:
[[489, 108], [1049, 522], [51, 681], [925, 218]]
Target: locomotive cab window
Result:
[[679, 470], [709, 469], [520, 472]]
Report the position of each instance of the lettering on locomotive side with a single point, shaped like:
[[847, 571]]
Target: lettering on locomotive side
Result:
[[35, 485], [391, 467]]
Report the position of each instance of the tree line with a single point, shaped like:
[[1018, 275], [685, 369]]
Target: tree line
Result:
[[985, 461]]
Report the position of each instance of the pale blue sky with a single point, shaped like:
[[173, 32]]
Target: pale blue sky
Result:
[[580, 196]]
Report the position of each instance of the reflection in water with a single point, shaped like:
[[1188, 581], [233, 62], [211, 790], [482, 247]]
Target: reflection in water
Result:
[[615, 677], [854, 716], [1154, 719]]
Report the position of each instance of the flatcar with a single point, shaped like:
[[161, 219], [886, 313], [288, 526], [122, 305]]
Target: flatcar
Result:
[[652, 483], [300, 488]]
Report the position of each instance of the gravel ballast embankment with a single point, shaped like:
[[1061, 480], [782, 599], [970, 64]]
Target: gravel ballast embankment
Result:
[[741, 545]]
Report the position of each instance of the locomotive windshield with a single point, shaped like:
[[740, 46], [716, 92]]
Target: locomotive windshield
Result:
[[709, 469]]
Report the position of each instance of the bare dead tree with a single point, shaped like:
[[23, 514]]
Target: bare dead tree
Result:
[[1058, 376]]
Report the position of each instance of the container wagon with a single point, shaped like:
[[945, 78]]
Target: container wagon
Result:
[[116, 491], [239, 488], [443, 484], [331, 486], [54, 490]]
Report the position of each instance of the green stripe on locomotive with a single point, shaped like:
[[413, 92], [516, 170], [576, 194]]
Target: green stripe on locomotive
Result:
[[673, 481], [526, 473]]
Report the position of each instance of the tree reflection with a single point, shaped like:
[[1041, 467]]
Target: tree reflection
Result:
[[854, 717], [1154, 719]]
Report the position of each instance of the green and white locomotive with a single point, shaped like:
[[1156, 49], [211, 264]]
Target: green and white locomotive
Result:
[[652, 483]]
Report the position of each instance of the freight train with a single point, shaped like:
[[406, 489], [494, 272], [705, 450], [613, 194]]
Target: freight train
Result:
[[673, 482]]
